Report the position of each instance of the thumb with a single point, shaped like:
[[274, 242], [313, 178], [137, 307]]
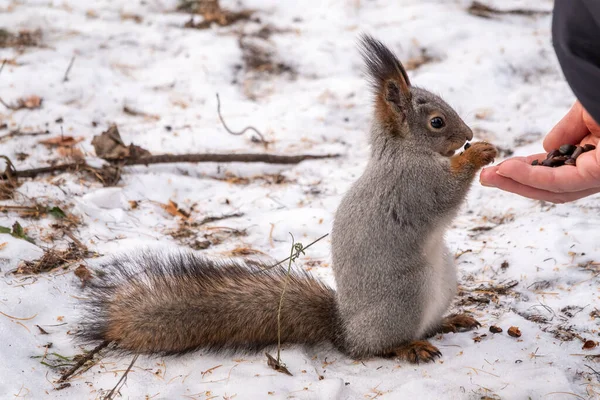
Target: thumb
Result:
[[570, 129]]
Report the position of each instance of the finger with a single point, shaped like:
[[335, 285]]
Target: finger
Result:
[[489, 173], [506, 184], [570, 129], [564, 179]]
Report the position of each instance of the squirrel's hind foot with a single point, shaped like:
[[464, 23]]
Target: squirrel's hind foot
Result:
[[459, 323], [416, 352]]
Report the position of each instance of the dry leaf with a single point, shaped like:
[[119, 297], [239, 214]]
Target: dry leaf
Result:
[[174, 210], [31, 102], [61, 141], [83, 273], [483, 113], [109, 146], [75, 154], [3, 245]]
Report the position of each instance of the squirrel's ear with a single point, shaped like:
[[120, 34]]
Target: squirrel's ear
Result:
[[387, 75]]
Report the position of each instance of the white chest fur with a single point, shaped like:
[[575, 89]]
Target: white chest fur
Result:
[[440, 287]]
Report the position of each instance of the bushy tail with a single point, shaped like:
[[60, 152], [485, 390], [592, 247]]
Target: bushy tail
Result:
[[177, 303]]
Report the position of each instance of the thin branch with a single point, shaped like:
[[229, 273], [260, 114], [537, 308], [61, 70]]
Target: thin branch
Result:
[[66, 77], [178, 158], [248, 128], [82, 361], [18, 132], [31, 173], [122, 381], [208, 220], [209, 157], [2, 66], [285, 283], [295, 254], [483, 10]]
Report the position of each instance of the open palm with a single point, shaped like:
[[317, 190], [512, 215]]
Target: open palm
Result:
[[557, 185]]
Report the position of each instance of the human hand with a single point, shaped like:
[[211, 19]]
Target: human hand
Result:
[[556, 185]]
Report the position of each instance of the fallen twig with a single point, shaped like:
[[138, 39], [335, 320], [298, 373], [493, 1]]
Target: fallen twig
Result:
[[208, 157], [248, 128], [31, 173], [208, 220], [483, 10], [82, 361], [18, 132], [66, 77], [176, 158]]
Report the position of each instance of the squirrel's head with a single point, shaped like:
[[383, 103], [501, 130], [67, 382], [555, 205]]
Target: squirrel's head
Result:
[[404, 113]]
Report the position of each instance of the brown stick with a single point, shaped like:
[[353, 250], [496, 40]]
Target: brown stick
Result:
[[208, 157], [82, 361], [31, 173], [17, 132], [483, 10], [177, 158]]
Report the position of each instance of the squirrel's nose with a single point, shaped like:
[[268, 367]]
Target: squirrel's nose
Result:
[[469, 134]]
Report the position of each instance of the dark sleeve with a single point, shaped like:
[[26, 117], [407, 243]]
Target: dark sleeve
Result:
[[576, 40]]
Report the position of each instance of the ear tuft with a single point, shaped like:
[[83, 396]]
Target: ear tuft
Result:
[[383, 66]]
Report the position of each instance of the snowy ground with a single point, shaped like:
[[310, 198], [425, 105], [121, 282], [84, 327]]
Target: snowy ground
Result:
[[502, 76]]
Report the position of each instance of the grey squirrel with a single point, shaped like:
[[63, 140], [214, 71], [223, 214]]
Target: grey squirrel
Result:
[[395, 277]]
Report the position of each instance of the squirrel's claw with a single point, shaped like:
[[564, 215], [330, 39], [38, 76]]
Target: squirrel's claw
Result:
[[417, 351], [459, 323]]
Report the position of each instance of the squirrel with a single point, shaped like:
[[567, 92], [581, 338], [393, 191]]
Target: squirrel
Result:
[[394, 275]]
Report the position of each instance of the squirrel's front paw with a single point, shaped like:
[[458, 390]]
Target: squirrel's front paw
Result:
[[481, 154]]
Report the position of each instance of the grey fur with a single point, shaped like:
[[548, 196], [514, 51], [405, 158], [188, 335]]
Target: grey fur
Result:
[[387, 238]]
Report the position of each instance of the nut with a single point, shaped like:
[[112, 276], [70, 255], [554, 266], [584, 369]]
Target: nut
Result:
[[565, 155], [514, 331], [566, 149], [495, 329]]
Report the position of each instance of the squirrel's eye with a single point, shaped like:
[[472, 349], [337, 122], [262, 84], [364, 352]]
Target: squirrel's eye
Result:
[[436, 122]]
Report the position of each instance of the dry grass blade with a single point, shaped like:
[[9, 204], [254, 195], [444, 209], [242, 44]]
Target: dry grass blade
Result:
[[295, 254], [66, 77], [82, 360], [248, 128], [52, 259], [122, 381]]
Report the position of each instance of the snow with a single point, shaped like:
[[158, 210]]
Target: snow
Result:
[[500, 74]]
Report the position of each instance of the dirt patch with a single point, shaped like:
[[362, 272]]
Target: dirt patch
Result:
[[211, 13], [53, 259], [24, 38]]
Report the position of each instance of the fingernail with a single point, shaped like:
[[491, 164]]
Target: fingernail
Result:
[[500, 173]]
